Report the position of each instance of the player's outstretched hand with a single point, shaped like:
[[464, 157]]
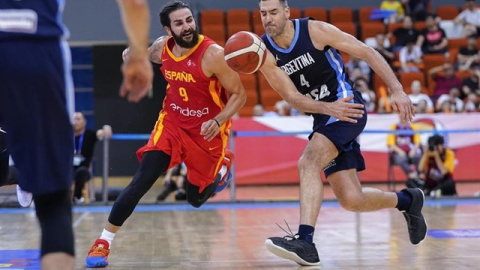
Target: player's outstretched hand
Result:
[[345, 111], [209, 129], [137, 77], [402, 105]]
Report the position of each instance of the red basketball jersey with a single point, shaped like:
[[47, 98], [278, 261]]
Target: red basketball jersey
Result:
[[191, 97]]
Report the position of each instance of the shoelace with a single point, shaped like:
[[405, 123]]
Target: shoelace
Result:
[[289, 233], [97, 251]]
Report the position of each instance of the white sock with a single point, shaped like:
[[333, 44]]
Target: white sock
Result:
[[223, 171], [108, 236]]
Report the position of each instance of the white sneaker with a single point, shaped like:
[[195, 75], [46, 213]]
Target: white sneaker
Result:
[[24, 198], [78, 201]]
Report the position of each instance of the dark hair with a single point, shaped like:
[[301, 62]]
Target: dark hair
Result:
[[283, 2], [169, 8], [361, 79], [436, 140]]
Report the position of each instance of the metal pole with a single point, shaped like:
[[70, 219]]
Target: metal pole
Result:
[[106, 147], [231, 142]]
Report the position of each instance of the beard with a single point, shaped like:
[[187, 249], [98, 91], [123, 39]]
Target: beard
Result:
[[185, 43], [274, 30]]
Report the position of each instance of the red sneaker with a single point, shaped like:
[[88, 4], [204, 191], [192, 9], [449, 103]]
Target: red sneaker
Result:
[[227, 161], [98, 255]]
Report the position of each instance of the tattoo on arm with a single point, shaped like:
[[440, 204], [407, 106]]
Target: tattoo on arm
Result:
[[155, 51]]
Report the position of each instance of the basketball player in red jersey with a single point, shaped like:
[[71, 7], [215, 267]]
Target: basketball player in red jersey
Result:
[[193, 125]]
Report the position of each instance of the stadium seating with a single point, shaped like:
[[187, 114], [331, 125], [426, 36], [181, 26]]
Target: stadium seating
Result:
[[212, 24], [407, 78], [238, 20], [371, 29], [364, 14], [319, 14], [447, 12], [356, 23], [340, 15], [348, 27]]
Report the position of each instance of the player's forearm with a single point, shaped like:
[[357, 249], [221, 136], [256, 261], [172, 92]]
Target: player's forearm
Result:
[[422, 163], [234, 104], [136, 21], [282, 84], [440, 165], [381, 67]]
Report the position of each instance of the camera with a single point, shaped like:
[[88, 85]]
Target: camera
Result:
[[433, 141]]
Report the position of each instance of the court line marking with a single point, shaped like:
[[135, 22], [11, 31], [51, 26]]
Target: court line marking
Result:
[[228, 206], [80, 219]]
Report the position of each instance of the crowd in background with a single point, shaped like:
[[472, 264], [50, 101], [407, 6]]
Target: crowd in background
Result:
[[454, 85]]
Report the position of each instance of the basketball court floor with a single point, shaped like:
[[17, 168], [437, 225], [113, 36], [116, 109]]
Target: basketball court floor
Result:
[[231, 236]]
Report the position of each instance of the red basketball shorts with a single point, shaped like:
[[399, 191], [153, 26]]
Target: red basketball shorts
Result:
[[202, 158]]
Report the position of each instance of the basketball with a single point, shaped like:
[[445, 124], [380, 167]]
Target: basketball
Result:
[[245, 52]]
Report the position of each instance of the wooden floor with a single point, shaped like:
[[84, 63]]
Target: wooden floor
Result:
[[232, 235]]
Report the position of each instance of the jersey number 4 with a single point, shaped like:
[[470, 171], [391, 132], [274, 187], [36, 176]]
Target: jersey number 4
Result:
[[303, 81]]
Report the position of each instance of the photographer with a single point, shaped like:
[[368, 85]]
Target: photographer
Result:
[[436, 168]]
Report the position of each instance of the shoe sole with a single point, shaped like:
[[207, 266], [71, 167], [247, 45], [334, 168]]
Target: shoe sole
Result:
[[96, 262], [424, 219], [283, 253], [21, 197]]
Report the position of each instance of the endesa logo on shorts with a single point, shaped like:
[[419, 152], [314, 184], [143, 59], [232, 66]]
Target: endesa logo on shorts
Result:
[[188, 112]]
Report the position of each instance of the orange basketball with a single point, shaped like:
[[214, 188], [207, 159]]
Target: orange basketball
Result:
[[245, 52]]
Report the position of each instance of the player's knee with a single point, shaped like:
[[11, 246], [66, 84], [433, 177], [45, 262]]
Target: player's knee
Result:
[[352, 202], [304, 163]]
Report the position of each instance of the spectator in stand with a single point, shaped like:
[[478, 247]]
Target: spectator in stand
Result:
[[472, 83], [469, 18], [417, 96], [373, 41], [432, 39], [445, 82], [410, 57], [84, 147], [417, 9], [468, 53], [422, 107], [386, 52], [259, 110], [469, 62], [450, 102], [405, 34], [436, 168], [357, 67], [472, 103], [405, 150], [393, 5], [368, 95], [282, 108]]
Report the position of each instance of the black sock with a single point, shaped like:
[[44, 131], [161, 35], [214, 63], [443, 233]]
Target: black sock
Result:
[[404, 201], [306, 232]]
